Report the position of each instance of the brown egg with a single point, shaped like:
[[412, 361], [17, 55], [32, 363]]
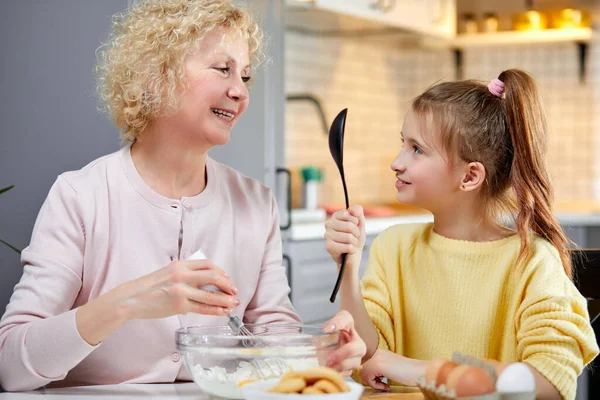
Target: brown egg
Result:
[[444, 371], [470, 381], [433, 368], [455, 375]]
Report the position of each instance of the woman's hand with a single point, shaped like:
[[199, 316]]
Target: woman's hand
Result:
[[385, 364], [345, 233], [179, 288], [174, 289], [352, 348]]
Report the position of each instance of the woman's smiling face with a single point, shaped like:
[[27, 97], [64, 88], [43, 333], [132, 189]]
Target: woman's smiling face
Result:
[[217, 87]]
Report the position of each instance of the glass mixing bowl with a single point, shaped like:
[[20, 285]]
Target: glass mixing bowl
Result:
[[220, 362]]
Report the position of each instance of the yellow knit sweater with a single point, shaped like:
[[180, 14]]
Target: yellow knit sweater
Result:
[[430, 296]]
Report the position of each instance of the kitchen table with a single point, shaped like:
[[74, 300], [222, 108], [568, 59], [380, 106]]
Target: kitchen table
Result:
[[397, 393], [166, 391]]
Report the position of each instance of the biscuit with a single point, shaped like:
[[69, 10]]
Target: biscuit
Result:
[[320, 380], [290, 374], [313, 375], [311, 390], [290, 385], [326, 386]]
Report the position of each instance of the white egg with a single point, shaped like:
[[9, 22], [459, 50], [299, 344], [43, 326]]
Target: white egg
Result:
[[516, 377]]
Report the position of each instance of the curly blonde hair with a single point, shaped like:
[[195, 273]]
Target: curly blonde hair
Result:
[[141, 71]]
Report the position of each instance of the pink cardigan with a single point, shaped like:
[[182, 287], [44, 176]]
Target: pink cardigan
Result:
[[102, 226]]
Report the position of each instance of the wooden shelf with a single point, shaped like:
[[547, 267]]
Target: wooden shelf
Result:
[[578, 36], [522, 37]]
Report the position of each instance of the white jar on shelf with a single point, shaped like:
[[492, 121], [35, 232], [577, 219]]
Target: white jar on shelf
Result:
[[311, 195], [311, 178]]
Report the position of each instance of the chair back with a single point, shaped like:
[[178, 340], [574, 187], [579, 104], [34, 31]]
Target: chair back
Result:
[[586, 275]]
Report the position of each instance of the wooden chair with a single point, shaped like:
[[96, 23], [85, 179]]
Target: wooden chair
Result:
[[586, 266]]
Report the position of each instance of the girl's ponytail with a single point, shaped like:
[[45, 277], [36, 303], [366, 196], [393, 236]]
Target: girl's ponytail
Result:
[[528, 177]]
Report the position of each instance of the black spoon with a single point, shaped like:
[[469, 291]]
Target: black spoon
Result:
[[336, 147]]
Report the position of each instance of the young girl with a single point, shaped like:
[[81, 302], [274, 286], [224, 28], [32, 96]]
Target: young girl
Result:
[[472, 154]]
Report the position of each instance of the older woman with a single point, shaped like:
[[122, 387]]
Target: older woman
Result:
[[105, 281]]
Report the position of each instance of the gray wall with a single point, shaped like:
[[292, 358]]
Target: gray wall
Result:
[[49, 121]]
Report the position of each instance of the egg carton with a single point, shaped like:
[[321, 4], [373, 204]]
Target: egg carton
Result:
[[431, 392]]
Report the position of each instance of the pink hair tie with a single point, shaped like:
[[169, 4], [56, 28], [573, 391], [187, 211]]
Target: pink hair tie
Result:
[[496, 87]]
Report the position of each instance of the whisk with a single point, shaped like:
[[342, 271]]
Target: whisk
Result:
[[267, 368], [272, 368]]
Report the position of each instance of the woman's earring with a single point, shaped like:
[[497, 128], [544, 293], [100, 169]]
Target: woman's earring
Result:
[[463, 187]]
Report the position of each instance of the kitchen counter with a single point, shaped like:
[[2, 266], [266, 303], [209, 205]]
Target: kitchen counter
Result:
[[316, 230], [374, 226], [165, 391]]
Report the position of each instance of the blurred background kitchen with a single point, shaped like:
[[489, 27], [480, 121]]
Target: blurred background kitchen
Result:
[[370, 56]]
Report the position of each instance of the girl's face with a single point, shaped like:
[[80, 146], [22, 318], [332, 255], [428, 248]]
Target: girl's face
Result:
[[217, 74], [424, 176]]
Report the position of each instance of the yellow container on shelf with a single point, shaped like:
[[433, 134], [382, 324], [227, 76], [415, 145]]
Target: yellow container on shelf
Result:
[[530, 20], [569, 18]]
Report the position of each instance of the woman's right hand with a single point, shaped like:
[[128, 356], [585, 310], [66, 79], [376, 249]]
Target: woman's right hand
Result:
[[345, 233], [180, 288], [174, 289]]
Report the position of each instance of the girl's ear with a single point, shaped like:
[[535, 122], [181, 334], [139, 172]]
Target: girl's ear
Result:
[[474, 177]]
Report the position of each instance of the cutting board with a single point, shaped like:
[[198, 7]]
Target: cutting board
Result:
[[396, 394]]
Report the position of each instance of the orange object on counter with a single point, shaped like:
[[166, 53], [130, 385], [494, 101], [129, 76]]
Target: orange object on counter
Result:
[[377, 211], [380, 211], [370, 211]]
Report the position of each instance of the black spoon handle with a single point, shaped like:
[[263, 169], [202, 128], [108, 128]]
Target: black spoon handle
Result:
[[338, 282], [345, 189], [339, 279]]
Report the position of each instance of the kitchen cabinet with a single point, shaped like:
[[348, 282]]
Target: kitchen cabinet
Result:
[[312, 278], [426, 17]]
